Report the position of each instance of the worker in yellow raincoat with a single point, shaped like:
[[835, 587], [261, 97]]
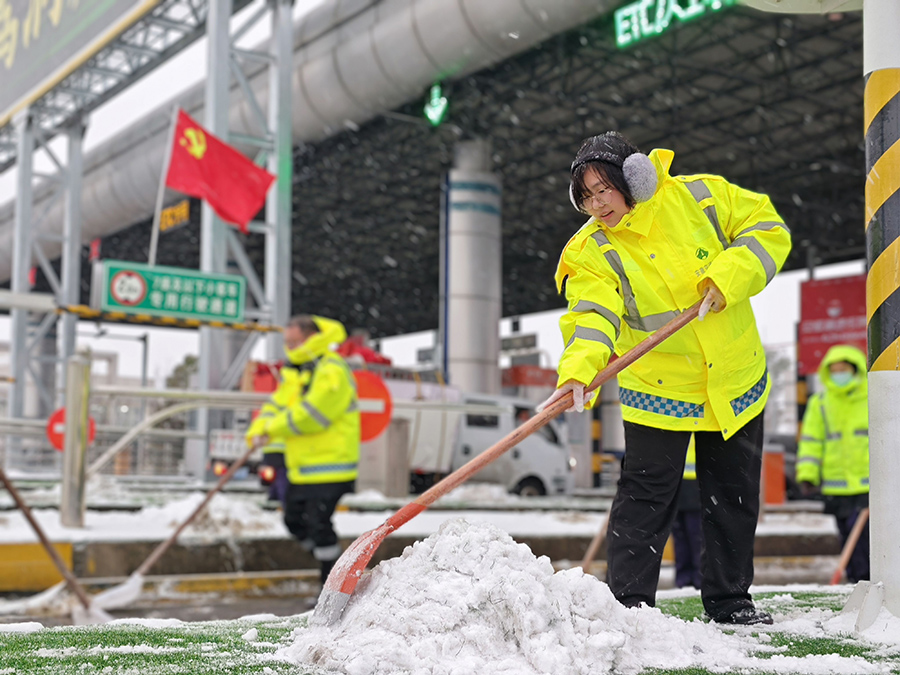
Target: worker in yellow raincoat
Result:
[[316, 418], [833, 457], [656, 244]]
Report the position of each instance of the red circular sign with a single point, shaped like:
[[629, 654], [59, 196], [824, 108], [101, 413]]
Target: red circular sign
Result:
[[128, 288], [371, 387], [56, 429]]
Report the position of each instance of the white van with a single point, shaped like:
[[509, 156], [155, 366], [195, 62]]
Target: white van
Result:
[[442, 442]]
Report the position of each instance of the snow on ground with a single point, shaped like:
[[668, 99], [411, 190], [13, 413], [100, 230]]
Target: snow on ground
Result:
[[469, 599], [235, 515], [225, 516]]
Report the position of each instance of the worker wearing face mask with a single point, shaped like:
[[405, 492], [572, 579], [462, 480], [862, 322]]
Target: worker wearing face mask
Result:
[[833, 457]]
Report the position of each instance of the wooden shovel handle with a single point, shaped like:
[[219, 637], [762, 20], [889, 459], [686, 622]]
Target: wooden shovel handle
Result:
[[164, 546], [77, 588], [850, 546], [519, 434]]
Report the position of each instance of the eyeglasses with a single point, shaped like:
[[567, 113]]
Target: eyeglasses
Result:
[[604, 196]]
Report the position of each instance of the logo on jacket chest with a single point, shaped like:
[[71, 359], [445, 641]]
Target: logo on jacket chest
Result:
[[702, 253]]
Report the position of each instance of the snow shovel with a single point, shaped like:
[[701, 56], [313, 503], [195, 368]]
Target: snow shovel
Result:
[[596, 543], [350, 566], [85, 614], [850, 545], [127, 592]]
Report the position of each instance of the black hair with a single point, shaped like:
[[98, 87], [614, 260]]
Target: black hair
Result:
[[605, 154]]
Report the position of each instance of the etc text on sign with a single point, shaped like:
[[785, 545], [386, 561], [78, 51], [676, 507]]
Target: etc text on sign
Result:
[[175, 292], [642, 19]]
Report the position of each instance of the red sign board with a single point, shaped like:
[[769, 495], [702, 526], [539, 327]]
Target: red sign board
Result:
[[529, 376], [370, 386], [832, 312], [56, 429]]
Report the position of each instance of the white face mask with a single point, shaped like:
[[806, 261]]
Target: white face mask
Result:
[[843, 378]]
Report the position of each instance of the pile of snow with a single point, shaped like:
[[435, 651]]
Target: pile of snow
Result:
[[469, 599]]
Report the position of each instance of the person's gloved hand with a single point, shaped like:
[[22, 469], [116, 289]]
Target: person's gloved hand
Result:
[[260, 441], [807, 489], [712, 298], [579, 398]]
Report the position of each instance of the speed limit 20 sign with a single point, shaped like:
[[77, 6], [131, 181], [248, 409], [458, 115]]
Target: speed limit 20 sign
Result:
[[128, 288]]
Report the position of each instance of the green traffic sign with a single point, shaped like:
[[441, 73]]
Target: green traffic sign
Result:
[[643, 19], [436, 105], [175, 292]]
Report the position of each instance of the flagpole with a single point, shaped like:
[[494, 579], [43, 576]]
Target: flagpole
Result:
[[161, 194]]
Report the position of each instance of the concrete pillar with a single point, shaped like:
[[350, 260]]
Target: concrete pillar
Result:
[[882, 127], [474, 269], [72, 497]]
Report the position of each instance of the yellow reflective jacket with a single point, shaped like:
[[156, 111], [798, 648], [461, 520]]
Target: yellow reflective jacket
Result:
[[834, 439], [625, 282], [317, 416]]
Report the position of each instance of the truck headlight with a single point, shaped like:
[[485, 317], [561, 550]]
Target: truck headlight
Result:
[[572, 463]]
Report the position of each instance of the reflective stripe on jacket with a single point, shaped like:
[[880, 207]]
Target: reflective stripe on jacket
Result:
[[834, 439], [625, 282], [319, 423], [690, 461]]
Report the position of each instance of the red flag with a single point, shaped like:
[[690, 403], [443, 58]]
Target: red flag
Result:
[[205, 167]]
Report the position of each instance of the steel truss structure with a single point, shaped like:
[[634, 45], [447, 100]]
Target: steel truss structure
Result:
[[771, 102], [167, 29]]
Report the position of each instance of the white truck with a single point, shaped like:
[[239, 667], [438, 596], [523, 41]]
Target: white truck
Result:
[[442, 441]]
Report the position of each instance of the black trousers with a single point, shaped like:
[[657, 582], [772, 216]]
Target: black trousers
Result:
[[728, 474], [307, 514]]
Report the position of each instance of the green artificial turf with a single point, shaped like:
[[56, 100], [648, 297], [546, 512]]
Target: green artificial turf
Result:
[[210, 648], [786, 644], [206, 648]]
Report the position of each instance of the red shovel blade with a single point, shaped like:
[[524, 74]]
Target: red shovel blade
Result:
[[349, 568]]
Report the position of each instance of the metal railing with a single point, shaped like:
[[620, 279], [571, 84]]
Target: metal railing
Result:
[[81, 461]]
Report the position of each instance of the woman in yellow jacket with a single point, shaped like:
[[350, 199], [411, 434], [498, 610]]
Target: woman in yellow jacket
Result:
[[315, 415], [656, 244], [834, 447]]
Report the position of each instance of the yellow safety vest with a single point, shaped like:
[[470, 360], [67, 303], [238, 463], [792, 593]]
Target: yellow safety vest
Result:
[[318, 414], [625, 282], [834, 440]]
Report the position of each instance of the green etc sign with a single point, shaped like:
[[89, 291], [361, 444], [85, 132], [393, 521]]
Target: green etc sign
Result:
[[645, 18], [175, 292]]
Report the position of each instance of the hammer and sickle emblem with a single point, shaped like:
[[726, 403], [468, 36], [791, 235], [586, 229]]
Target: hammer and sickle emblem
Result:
[[194, 141]]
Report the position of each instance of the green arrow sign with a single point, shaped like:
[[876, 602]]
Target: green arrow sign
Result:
[[436, 106]]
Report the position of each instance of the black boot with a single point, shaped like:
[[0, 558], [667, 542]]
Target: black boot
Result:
[[746, 616]]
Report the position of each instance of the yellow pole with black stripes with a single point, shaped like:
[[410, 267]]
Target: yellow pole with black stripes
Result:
[[881, 56]]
